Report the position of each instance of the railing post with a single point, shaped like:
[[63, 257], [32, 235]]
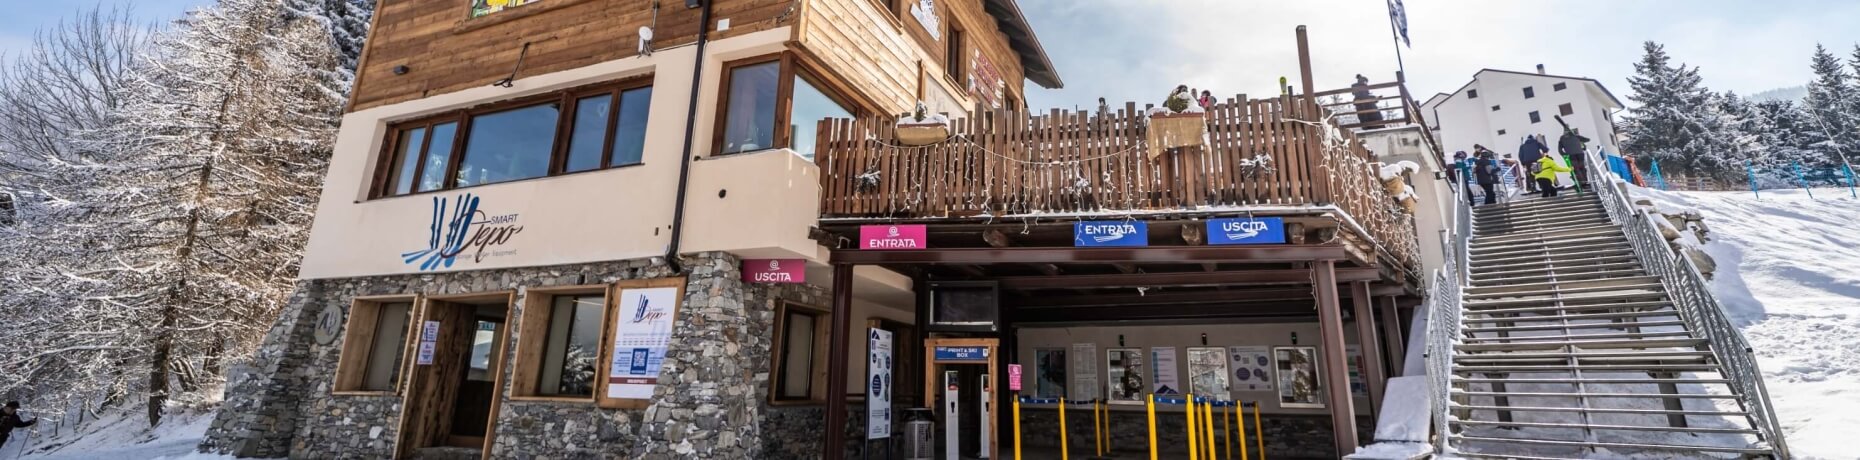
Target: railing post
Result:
[[1318, 168]]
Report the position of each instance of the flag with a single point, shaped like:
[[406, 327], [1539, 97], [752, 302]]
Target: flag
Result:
[[1399, 14]]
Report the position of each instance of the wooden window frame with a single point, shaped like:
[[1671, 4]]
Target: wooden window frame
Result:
[[533, 332], [817, 393], [791, 65], [351, 372], [386, 170], [955, 51]]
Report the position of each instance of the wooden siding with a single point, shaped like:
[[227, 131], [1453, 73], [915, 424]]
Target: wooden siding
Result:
[[446, 51], [861, 42]]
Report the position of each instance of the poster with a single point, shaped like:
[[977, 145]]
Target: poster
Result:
[[1084, 372], [1354, 355], [1166, 381], [1207, 372], [425, 357], [1049, 372], [642, 328], [1252, 368], [1123, 373], [1300, 384], [878, 372]]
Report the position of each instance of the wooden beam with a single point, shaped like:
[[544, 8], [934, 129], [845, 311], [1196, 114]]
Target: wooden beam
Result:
[[1162, 312], [1160, 254], [1336, 371], [1392, 335], [996, 238], [1368, 343], [1194, 235], [834, 446], [1227, 278], [1210, 297]]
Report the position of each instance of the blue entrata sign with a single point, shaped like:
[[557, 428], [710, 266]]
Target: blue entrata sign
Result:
[[1111, 233], [1243, 230], [961, 353]]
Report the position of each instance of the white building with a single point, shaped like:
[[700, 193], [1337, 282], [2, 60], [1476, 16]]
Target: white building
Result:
[[1498, 108]]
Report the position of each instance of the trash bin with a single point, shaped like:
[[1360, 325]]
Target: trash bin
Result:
[[919, 434]]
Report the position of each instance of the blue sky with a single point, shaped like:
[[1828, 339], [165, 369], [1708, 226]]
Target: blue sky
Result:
[[1138, 49]]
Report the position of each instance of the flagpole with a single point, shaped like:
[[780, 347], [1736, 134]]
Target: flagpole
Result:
[[1395, 36]]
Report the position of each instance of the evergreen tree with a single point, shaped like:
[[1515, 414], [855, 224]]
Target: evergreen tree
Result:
[[1787, 136], [1830, 106], [1671, 99], [347, 22]]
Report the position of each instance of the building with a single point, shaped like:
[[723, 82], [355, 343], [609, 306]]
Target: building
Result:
[[568, 229], [1498, 108]]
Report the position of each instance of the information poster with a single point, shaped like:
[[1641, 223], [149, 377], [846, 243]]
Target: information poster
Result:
[[1124, 372], [1084, 372], [1252, 367], [1354, 355], [1049, 372], [878, 371], [1300, 384], [1167, 382], [642, 329], [1207, 372]]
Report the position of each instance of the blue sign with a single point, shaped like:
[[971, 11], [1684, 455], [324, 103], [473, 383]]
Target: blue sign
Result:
[[1244, 230], [961, 353], [1111, 233]]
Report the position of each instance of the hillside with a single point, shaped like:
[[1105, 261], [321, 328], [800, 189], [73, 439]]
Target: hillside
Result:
[[1789, 275]]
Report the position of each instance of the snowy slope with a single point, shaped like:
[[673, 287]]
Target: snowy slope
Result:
[[123, 435], [1789, 275]]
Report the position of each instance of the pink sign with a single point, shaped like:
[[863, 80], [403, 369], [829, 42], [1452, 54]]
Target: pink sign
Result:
[[1013, 377], [775, 270], [893, 237]]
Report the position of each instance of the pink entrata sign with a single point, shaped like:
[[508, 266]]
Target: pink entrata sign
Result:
[[1013, 377], [775, 270], [893, 237]]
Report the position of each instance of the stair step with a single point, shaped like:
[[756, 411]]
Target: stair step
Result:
[[1632, 271], [1593, 381], [1603, 262], [1593, 395], [1575, 317], [1603, 410], [1464, 454], [1551, 250], [1565, 338], [1491, 313], [1554, 327], [1655, 287], [1613, 445], [1541, 369], [1549, 235], [1573, 217], [1584, 344], [1535, 228], [1574, 255], [1592, 355], [1483, 288], [1566, 300], [1571, 209], [1552, 245], [1534, 204]]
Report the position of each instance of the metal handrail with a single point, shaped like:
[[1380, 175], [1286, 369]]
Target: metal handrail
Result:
[[1692, 296], [1443, 320]]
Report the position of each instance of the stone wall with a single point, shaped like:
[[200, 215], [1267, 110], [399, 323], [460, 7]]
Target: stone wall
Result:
[[1294, 437]]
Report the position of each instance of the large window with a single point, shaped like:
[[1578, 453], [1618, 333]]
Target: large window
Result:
[[954, 60], [373, 346], [518, 140], [769, 103], [800, 350], [559, 347]]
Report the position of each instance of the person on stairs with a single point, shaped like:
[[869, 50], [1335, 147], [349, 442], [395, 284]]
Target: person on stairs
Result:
[[1544, 171], [1573, 146], [10, 419], [1486, 170], [1528, 153]]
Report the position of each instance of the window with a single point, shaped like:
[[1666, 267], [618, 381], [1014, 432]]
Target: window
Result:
[[1501, 132], [1494, 108], [1535, 118], [560, 344], [518, 140], [1559, 87], [953, 57], [800, 350], [480, 8], [373, 345], [1472, 94], [756, 92], [1565, 110], [1530, 92]]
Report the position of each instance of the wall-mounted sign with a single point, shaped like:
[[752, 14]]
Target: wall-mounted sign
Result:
[[1252, 368], [1166, 381], [328, 324], [1242, 230], [1301, 384], [961, 353], [775, 270], [1084, 372], [1207, 371], [460, 226], [878, 377], [1013, 377], [430, 331], [1110, 233], [642, 329], [1124, 373], [893, 237], [425, 357], [985, 81], [925, 12]]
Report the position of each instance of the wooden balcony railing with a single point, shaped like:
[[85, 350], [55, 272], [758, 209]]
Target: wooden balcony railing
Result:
[[1259, 153]]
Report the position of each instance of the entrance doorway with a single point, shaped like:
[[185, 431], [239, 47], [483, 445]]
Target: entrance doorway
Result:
[[962, 392], [452, 398]]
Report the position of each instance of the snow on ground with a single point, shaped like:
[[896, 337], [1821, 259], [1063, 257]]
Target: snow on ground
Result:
[[122, 435], [1789, 276]]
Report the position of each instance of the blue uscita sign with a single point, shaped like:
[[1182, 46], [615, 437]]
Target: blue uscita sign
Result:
[[1110, 233], [1244, 230]]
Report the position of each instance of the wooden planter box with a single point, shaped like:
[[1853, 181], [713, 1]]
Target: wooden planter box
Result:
[[922, 133], [1176, 130]]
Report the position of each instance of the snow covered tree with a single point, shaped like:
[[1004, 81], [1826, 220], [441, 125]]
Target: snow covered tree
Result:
[[347, 22], [1672, 99], [1786, 135], [1831, 105]]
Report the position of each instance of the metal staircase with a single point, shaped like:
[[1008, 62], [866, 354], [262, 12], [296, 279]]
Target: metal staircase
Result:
[[1573, 331]]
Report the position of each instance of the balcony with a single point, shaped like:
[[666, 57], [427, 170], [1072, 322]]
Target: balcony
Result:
[[1274, 156]]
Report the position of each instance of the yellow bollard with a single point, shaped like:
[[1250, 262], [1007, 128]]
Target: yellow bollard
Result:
[[1240, 421], [1064, 450], [1208, 415], [1227, 428], [1188, 414], [1150, 406], [1259, 432], [1016, 425], [1097, 435], [1108, 447]]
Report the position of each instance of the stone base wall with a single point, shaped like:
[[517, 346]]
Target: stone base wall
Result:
[[1295, 437]]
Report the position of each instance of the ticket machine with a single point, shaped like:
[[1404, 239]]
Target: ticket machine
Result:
[[964, 390]]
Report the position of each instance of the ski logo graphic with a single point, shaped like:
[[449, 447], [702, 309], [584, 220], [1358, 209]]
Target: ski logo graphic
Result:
[[458, 225], [1118, 233]]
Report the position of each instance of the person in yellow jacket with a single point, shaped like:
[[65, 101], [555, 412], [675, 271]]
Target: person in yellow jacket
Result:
[[1545, 173]]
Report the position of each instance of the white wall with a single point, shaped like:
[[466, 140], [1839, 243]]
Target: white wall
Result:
[[1464, 122]]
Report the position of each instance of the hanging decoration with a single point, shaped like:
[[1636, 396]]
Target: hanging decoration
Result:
[[922, 127], [1179, 123]]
